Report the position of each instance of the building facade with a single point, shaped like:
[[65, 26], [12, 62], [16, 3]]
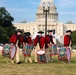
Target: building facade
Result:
[[52, 21]]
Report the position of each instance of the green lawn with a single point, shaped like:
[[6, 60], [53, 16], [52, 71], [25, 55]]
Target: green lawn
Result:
[[53, 68]]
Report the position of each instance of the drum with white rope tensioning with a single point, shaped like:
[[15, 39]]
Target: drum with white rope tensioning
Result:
[[41, 56]]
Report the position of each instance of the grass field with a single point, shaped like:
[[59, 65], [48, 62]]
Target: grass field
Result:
[[53, 68]]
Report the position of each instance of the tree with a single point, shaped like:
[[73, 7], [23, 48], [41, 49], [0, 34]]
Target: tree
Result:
[[6, 26], [74, 38], [69, 22], [24, 21], [5, 17]]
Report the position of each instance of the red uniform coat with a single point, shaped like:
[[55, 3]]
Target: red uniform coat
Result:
[[67, 40], [48, 39], [41, 41], [14, 39], [28, 41]]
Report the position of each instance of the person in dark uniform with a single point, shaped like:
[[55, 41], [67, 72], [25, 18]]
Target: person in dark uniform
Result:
[[39, 42], [17, 39], [48, 41], [68, 40], [29, 43]]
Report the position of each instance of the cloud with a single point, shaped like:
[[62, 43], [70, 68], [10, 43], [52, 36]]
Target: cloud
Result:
[[26, 9], [66, 10]]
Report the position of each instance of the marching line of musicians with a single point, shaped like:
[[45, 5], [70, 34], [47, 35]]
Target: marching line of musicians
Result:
[[38, 43]]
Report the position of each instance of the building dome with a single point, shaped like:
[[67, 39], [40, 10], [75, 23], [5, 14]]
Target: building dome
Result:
[[53, 15]]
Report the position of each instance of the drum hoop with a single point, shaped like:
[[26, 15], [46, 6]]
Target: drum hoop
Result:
[[11, 51], [40, 54], [69, 52]]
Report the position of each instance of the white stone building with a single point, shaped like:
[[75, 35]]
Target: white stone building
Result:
[[52, 21]]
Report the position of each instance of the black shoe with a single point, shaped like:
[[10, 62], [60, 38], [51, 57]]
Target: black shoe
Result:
[[18, 62]]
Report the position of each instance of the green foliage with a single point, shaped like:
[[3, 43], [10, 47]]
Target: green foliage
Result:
[[74, 47], [4, 38], [6, 26], [74, 38]]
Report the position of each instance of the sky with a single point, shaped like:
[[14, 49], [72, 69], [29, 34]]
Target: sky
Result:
[[26, 9]]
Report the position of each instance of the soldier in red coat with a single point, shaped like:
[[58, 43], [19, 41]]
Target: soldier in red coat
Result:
[[48, 41], [68, 41], [17, 39], [67, 38], [28, 43], [39, 42]]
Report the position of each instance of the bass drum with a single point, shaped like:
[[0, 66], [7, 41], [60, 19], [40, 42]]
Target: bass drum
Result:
[[9, 51], [64, 54]]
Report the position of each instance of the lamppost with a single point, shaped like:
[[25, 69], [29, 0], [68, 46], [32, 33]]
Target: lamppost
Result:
[[53, 31], [46, 9]]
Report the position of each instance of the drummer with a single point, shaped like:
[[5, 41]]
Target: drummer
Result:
[[68, 40], [28, 41], [17, 40], [39, 43], [48, 41]]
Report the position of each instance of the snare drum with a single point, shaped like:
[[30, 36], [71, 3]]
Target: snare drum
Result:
[[53, 49], [64, 54], [41, 56], [9, 51], [27, 49]]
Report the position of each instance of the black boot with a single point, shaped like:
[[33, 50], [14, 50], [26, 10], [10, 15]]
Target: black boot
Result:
[[18, 62]]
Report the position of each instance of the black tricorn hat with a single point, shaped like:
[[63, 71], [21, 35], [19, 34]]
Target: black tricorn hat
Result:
[[19, 30], [50, 31], [41, 32], [27, 34], [69, 31]]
